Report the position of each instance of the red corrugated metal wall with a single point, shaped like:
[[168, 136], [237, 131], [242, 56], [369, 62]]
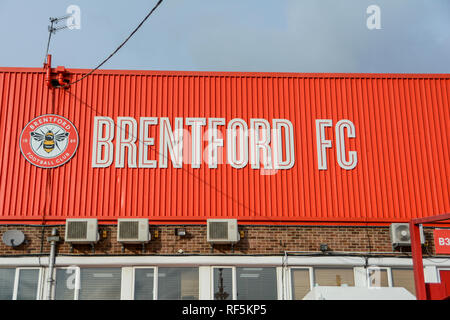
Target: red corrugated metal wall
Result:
[[402, 141]]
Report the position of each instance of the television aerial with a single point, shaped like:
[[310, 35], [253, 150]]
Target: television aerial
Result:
[[53, 29]]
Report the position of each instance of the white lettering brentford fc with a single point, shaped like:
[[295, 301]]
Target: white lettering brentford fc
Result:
[[260, 144]]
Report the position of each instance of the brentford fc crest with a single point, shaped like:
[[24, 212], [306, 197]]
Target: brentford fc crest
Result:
[[49, 141]]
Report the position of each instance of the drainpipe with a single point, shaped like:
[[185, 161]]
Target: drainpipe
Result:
[[48, 70], [53, 241], [284, 265]]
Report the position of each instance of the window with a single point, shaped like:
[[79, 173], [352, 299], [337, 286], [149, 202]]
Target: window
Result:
[[404, 278], [301, 283], [334, 277], [100, 283], [178, 283], [378, 277], [256, 283], [223, 283], [28, 284], [144, 284], [19, 284], [7, 283], [66, 284]]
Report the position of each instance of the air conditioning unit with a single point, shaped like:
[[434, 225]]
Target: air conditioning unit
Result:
[[81, 231], [401, 236], [222, 231], [133, 231]]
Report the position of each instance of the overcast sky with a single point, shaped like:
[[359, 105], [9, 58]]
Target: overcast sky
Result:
[[233, 35]]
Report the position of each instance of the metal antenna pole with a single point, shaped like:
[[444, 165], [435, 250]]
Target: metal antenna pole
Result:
[[52, 30]]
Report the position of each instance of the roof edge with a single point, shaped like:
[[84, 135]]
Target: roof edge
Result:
[[236, 73]]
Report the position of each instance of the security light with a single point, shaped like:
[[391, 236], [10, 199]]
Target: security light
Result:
[[181, 232]]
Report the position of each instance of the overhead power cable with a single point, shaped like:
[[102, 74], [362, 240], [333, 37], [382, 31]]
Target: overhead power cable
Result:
[[119, 47]]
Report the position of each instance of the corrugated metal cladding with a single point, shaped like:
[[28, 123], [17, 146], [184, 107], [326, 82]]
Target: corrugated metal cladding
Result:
[[402, 141]]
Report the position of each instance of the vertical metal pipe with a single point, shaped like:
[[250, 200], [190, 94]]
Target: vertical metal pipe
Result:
[[50, 31], [48, 71], [51, 264]]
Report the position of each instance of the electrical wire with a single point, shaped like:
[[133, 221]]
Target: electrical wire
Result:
[[118, 48]]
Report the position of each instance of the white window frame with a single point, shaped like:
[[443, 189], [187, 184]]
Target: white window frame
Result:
[[388, 271], [399, 268], [333, 267], [14, 281], [39, 280], [289, 293], [155, 280], [278, 278], [100, 266], [176, 266], [233, 280], [78, 278], [77, 281]]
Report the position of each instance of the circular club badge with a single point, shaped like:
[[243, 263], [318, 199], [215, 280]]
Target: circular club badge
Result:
[[49, 141]]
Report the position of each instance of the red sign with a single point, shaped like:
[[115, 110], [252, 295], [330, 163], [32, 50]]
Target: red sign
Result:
[[49, 141], [442, 241]]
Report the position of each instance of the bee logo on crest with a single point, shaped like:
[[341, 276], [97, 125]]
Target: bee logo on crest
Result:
[[49, 140]]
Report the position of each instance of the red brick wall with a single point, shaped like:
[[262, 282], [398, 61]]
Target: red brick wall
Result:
[[272, 240]]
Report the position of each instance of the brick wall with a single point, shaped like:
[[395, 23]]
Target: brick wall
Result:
[[272, 240]]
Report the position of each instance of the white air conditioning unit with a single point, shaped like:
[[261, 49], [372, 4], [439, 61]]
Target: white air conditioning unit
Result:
[[133, 231], [81, 231], [401, 236], [222, 231]]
